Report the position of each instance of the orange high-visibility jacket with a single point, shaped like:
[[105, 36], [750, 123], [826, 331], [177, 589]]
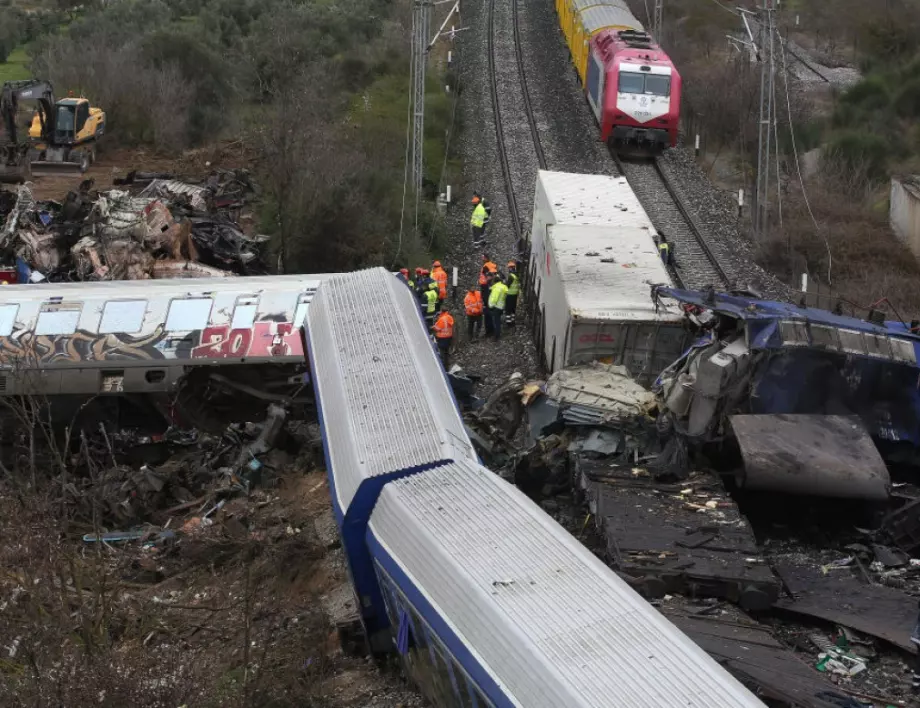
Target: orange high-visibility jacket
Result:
[[440, 276], [444, 326], [473, 303]]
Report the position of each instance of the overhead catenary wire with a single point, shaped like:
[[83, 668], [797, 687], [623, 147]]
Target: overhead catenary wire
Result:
[[798, 168]]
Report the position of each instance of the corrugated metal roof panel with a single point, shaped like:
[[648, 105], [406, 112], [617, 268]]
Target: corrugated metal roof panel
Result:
[[386, 405], [594, 19], [551, 623], [593, 199], [608, 271]]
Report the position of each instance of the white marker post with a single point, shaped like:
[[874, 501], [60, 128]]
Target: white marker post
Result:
[[740, 201], [697, 145], [448, 194], [804, 282]]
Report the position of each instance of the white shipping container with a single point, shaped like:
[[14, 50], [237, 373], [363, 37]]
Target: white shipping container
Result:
[[593, 261]]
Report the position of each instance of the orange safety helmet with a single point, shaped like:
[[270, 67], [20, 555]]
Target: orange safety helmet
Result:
[[475, 200], [436, 264], [418, 271], [404, 271], [424, 271]]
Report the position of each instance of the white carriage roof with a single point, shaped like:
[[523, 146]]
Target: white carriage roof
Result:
[[593, 199], [386, 405], [178, 287], [551, 623], [607, 272]]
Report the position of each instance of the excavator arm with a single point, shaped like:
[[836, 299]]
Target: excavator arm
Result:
[[42, 92]]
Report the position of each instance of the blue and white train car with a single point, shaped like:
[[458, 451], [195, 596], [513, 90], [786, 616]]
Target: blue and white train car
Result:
[[486, 598]]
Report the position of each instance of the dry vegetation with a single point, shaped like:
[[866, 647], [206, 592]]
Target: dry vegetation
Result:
[[867, 133], [235, 612]]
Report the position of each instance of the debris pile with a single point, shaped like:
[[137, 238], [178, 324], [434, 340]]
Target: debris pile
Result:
[[151, 226]]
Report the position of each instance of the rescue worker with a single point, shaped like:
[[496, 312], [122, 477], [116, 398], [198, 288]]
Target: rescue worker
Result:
[[473, 304], [410, 282], [488, 269], [439, 275], [497, 297], [444, 334], [664, 249], [403, 275], [431, 303], [514, 289], [487, 206], [478, 221], [423, 282]]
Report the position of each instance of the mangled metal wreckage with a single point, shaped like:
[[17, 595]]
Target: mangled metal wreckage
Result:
[[816, 402]]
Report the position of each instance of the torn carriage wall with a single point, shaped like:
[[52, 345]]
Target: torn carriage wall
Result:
[[761, 357]]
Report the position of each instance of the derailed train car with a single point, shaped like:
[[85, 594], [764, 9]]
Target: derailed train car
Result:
[[198, 337], [486, 599], [630, 83]]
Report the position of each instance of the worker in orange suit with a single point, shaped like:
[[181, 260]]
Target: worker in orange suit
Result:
[[474, 306], [439, 275], [444, 334]]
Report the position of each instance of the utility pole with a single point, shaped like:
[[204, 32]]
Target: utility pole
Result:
[[657, 21], [421, 27], [767, 117], [422, 42]]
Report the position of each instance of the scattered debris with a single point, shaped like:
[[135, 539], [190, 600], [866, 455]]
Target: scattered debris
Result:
[[847, 600], [687, 538], [156, 228]]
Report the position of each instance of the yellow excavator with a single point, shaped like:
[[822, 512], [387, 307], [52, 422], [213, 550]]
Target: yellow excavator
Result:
[[62, 136]]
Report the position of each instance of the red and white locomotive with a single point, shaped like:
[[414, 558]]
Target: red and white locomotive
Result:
[[631, 84]]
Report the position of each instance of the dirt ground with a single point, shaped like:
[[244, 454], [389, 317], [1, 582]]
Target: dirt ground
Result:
[[114, 163]]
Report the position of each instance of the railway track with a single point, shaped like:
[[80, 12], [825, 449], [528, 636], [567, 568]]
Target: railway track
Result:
[[503, 147], [528, 106], [697, 265]]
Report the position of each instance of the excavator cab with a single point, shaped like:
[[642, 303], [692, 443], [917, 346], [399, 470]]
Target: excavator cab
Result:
[[68, 140]]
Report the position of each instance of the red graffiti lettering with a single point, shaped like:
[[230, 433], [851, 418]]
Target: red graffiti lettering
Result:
[[265, 339], [220, 342]]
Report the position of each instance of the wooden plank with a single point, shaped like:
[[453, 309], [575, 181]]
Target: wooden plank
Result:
[[841, 597], [666, 536]]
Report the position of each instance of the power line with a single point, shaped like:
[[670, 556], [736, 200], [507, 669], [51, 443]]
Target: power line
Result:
[[795, 154]]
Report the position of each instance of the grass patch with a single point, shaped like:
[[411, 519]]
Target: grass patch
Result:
[[16, 67]]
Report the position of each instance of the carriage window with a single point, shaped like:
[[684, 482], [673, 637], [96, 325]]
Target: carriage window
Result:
[[7, 319], [62, 321], [188, 314], [243, 316], [126, 316], [631, 82], [658, 85]]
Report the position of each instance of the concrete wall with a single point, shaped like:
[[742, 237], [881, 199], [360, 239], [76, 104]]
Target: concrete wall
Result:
[[904, 212]]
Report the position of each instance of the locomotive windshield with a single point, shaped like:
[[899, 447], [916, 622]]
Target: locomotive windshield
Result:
[[648, 84]]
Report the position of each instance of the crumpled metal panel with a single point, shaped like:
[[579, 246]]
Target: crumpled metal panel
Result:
[[598, 392], [547, 620], [171, 188], [386, 405]]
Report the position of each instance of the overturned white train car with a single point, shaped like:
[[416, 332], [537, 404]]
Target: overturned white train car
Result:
[[593, 262], [487, 600]]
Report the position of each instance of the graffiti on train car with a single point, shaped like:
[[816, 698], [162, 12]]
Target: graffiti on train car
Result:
[[24, 346], [265, 338]]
